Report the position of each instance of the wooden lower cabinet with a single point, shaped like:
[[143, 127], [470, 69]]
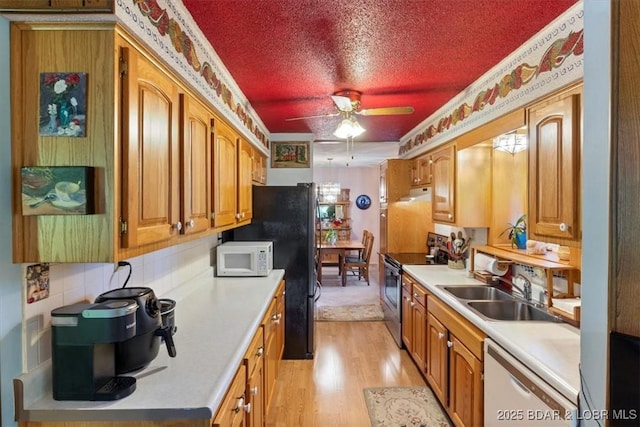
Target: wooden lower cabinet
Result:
[[274, 344], [437, 360], [414, 320], [465, 385], [454, 365]]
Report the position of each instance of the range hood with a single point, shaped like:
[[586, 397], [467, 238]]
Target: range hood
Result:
[[417, 194]]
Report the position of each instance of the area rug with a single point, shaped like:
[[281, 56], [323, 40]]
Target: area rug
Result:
[[349, 313], [404, 407]]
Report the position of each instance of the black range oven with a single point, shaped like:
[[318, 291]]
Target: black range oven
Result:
[[392, 292]]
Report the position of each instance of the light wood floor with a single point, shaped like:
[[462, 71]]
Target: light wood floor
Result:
[[328, 390]]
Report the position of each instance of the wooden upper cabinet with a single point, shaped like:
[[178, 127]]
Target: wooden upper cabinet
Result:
[[554, 172], [421, 171], [259, 168], [443, 182], [395, 179], [150, 125], [57, 5], [224, 175], [245, 169], [196, 136]]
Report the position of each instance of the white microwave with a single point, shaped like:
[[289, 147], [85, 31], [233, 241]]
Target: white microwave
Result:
[[244, 259]]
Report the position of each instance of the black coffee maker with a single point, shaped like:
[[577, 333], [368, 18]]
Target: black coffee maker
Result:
[[140, 350], [84, 340]]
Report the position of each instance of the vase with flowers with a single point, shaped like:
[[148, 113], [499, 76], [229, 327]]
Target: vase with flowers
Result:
[[331, 237], [517, 233]]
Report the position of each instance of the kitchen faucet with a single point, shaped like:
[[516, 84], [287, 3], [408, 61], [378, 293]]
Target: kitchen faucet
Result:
[[525, 290]]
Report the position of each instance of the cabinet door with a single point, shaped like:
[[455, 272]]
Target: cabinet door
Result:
[[259, 174], [421, 171], [407, 320], [224, 175], [419, 335], [245, 168], [195, 156], [443, 168], [232, 409], [255, 397], [150, 125], [437, 367], [554, 146], [465, 385]]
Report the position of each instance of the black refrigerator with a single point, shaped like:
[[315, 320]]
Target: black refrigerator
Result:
[[286, 215]]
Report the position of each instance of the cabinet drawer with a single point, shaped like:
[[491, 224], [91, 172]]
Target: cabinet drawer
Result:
[[255, 352], [270, 321], [231, 412], [419, 295]]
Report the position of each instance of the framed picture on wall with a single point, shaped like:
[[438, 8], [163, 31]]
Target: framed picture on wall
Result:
[[290, 154]]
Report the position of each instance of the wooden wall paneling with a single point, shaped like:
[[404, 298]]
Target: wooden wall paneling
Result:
[[73, 238], [625, 245], [407, 226]]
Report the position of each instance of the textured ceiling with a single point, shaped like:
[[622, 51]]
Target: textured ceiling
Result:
[[289, 56]]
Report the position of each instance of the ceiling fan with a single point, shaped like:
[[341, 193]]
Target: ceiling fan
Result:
[[347, 102]]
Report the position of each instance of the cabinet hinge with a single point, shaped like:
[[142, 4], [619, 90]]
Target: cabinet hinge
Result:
[[124, 67], [123, 226]]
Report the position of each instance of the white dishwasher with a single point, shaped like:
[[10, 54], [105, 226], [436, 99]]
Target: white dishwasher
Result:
[[515, 396]]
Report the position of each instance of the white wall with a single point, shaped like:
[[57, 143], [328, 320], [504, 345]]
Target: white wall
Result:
[[359, 180], [10, 290], [291, 176], [595, 205]]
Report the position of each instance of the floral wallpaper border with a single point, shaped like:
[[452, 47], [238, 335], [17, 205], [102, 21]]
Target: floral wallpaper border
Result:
[[511, 84], [169, 30]]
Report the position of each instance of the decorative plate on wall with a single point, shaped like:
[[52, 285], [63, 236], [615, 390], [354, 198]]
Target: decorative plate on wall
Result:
[[363, 201]]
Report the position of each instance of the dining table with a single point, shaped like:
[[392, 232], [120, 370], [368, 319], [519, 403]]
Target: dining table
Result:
[[340, 247]]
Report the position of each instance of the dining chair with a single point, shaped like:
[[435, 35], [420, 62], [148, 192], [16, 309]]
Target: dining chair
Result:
[[359, 265]]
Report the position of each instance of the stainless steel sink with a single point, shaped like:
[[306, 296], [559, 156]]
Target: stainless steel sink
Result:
[[477, 293], [510, 310]]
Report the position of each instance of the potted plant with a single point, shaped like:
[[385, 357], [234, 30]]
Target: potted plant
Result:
[[517, 233], [331, 236]]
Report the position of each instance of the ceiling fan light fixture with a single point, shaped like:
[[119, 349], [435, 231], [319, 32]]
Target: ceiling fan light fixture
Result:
[[348, 128]]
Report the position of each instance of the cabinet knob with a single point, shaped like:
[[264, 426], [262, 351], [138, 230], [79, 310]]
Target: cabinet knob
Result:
[[415, 295], [247, 407], [450, 216], [412, 304], [440, 335], [191, 223], [563, 227], [178, 226], [238, 215], [260, 351], [254, 391], [449, 344], [239, 405]]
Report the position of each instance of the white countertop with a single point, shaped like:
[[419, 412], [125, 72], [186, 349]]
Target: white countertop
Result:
[[551, 350], [216, 319]]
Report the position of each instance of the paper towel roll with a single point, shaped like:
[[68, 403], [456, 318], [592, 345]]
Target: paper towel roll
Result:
[[489, 264]]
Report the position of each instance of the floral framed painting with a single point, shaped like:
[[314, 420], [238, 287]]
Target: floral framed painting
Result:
[[63, 104], [290, 154]]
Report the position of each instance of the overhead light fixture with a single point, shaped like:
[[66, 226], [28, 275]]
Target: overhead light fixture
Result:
[[348, 128], [511, 142], [329, 191]]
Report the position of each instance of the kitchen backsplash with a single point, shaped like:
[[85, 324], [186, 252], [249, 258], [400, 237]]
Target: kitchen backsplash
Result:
[[162, 271]]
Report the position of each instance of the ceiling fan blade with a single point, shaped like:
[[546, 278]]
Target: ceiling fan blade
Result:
[[342, 103], [385, 111], [312, 117]]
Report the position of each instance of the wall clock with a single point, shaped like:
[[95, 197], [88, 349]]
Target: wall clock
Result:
[[363, 201]]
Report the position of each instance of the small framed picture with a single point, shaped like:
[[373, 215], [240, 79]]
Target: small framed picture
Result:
[[58, 190], [63, 104], [290, 154]]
